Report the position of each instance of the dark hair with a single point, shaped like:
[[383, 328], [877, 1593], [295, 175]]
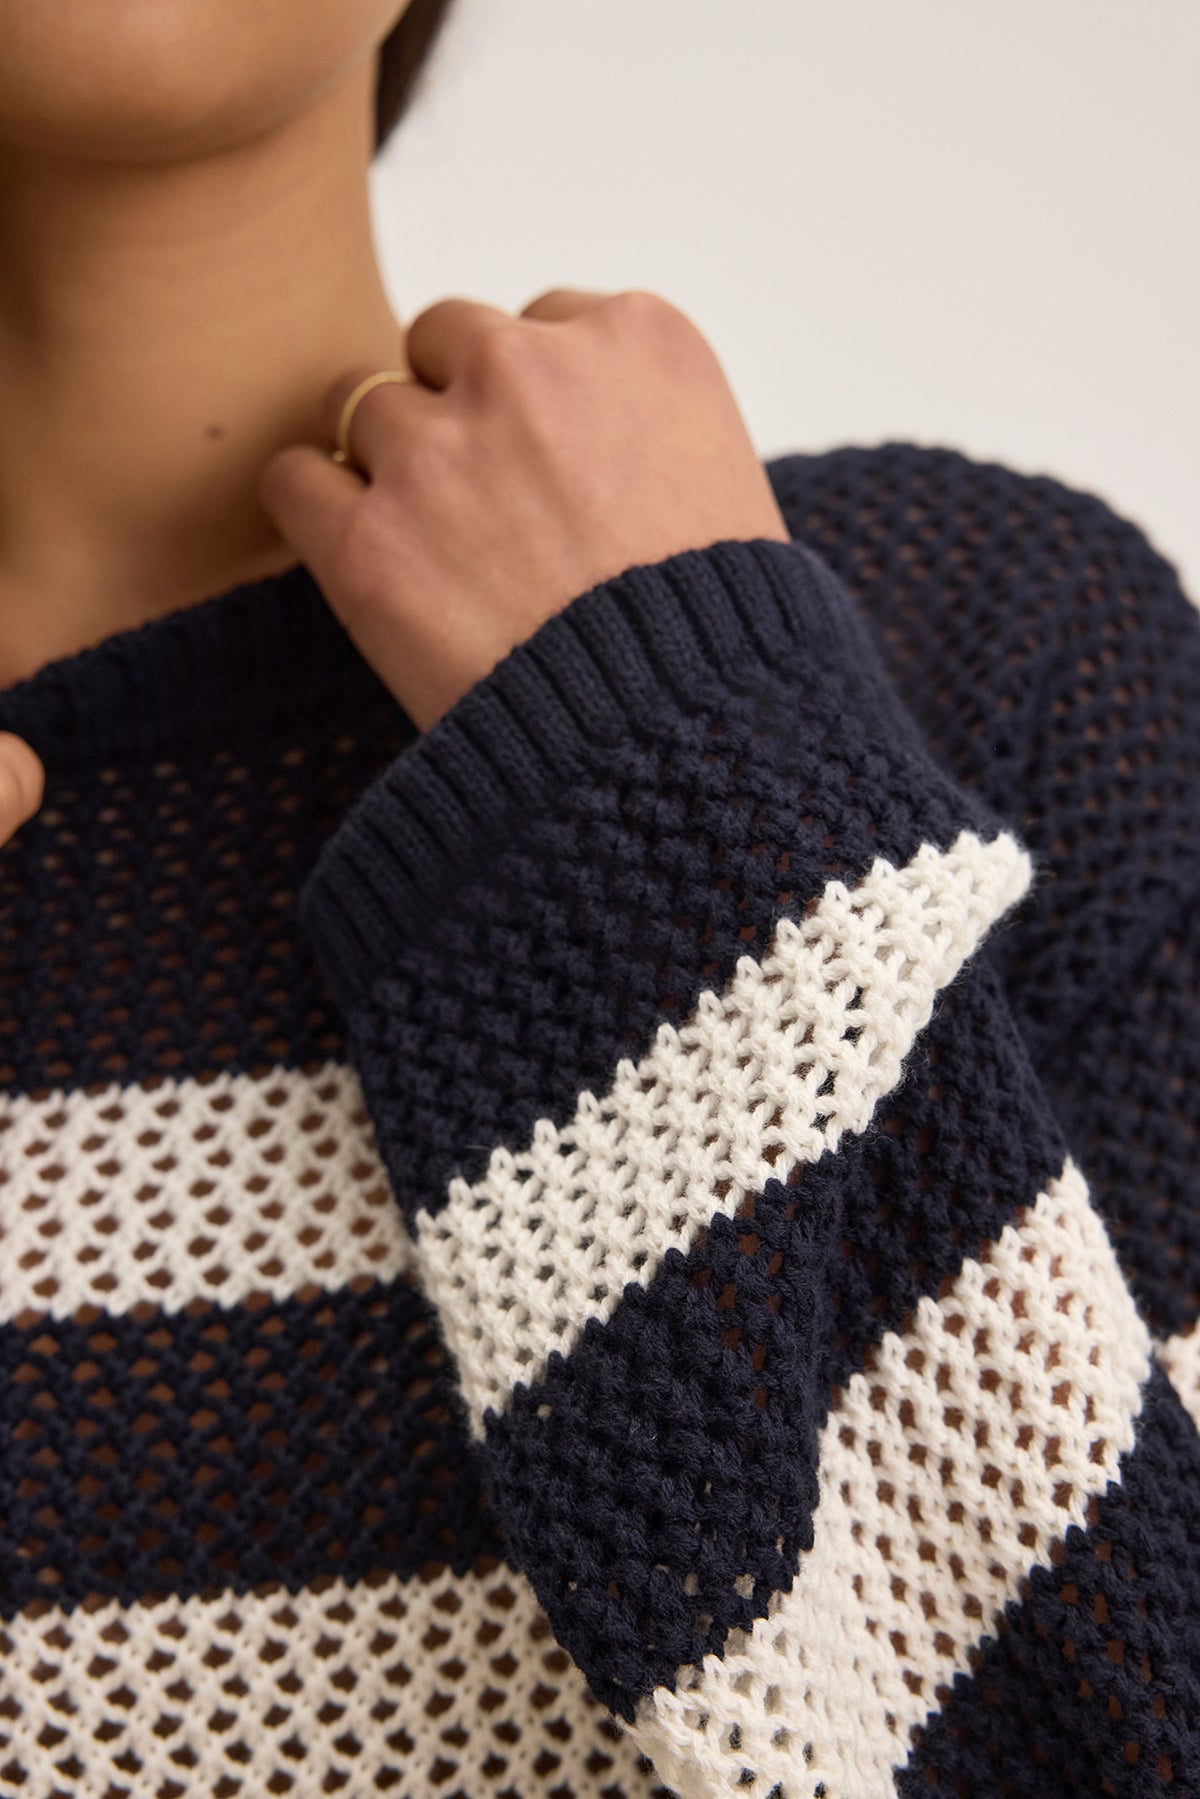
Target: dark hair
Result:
[[402, 55]]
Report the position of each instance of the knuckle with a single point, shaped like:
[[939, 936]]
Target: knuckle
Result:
[[514, 355], [650, 310], [642, 300], [437, 310], [671, 332], [547, 297]]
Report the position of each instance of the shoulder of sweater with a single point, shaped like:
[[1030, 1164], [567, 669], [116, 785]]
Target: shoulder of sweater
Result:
[[823, 490]]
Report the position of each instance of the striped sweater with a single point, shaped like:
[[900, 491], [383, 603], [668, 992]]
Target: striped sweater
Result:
[[645, 1240]]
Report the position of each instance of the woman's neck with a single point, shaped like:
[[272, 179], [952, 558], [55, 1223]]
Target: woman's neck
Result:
[[164, 327]]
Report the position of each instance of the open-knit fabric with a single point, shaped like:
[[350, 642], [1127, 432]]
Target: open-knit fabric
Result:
[[645, 1240]]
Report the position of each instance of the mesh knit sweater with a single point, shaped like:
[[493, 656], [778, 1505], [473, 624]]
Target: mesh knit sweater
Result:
[[648, 1237]]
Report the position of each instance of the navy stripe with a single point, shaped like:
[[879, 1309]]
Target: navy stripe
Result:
[[684, 850], [178, 898], [1129, 1095], [679, 1439], [1092, 1681], [229, 668], [943, 1167], [230, 1447]]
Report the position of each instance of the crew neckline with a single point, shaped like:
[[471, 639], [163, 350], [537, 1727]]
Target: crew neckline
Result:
[[252, 653]]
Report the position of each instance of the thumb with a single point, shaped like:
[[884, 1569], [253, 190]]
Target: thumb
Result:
[[22, 783], [310, 500]]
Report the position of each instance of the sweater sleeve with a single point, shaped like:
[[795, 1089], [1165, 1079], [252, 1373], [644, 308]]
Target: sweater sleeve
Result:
[[799, 1361]]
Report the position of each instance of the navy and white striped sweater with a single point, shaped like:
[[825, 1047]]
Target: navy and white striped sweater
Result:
[[681, 1182]]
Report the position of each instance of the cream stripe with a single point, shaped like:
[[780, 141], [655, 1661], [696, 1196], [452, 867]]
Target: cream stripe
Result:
[[947, 1471], [402, 1687], [1180, 1356], [796, 1051], [191, 1190]]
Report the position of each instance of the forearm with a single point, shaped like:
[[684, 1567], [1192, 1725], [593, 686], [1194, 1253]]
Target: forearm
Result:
[[783, 1321]]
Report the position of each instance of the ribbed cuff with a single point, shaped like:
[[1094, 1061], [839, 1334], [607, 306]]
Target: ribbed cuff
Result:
[[659, 638]]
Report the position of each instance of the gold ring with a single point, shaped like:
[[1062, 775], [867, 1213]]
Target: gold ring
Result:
[[342, 453]]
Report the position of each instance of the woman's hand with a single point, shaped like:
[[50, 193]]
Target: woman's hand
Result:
[[22, 783], [540, 455]]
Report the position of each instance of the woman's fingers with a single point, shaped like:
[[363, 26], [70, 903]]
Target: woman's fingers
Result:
[[562, 303], [22, 783], [384, 411], [440, 345], [441, 341], [310, 506], [312, 501]]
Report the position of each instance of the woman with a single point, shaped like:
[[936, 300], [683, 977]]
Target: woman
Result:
[[599, 1042]]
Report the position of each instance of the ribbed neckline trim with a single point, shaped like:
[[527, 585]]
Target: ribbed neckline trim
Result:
[[240, 659]]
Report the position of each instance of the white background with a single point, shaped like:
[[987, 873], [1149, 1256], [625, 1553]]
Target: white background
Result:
[[942, 221]]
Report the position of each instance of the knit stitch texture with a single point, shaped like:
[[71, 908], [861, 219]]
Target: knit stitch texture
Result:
[[642, 1241]]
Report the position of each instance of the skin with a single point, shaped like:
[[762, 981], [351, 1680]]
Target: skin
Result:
[[189, 290]]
